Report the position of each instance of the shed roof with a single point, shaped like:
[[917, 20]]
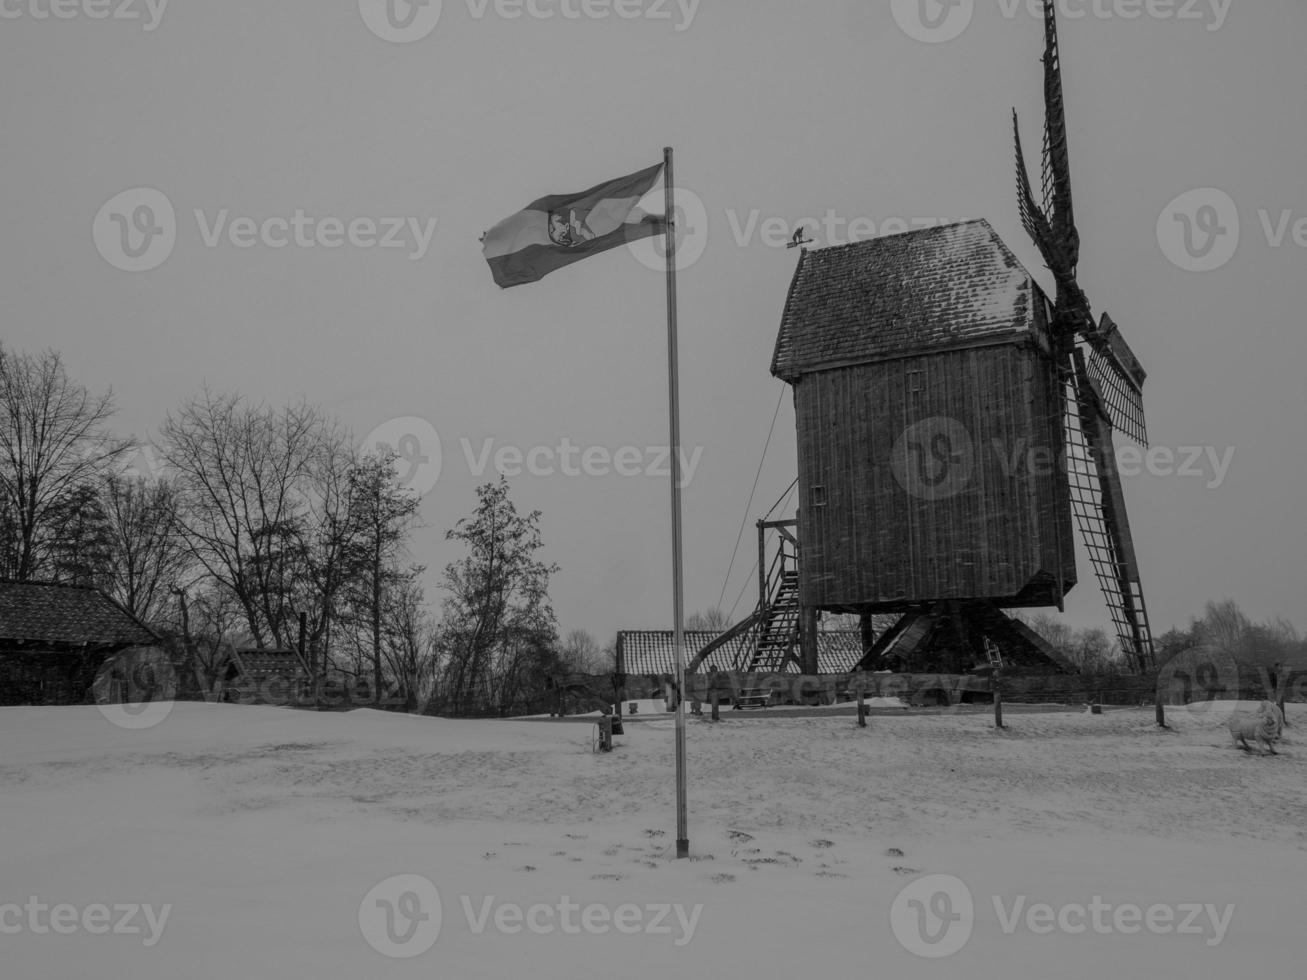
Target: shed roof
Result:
[[654, 651], [66, 615], [902, 294], [254, 664]]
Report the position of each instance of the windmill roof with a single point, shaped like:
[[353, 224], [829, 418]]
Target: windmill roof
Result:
[[33, 612], [893, 296], [654, 651]]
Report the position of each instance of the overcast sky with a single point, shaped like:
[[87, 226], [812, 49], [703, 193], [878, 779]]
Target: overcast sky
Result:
[[778, 110]]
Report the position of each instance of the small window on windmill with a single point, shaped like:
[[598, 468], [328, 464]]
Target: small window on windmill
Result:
[[916, 384], [818, 495]]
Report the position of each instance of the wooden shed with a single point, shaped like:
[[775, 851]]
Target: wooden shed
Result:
[[930, 426], [56, 639]]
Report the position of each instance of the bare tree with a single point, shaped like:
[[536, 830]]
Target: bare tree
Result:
[[410, 641], [382, 514], [708, 621], [53, 445], [249, 480], [148, 557], [1224, 624], [210, 619], [582, 654]]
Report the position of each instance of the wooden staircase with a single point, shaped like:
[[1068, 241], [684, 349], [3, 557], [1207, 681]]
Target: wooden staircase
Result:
[[779, 634]]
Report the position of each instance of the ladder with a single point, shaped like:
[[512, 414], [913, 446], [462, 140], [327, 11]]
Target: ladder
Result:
[[780, 629]]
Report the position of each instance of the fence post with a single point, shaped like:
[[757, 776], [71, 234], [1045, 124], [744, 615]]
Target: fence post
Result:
[[998, 699], [862, 708], [1281, 691]]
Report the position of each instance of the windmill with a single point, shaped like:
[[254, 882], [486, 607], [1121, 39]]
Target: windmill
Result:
[[931, 374], [1102, 377]]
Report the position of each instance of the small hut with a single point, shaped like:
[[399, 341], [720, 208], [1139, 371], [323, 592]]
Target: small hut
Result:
[[55, 640]]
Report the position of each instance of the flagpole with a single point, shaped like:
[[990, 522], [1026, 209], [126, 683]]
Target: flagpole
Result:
[[678, 584]]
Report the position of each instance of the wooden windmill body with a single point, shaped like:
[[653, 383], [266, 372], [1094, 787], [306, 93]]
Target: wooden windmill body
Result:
[[954, 424]]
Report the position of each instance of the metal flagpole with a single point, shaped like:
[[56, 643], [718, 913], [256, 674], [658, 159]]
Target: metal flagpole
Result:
[[678, 586]]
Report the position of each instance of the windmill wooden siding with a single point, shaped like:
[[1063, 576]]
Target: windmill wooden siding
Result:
[[868, 541], [901, 333]]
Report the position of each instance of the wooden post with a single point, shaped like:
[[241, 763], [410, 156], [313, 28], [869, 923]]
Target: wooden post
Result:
[[303, 645], [998, 701], [862, 708], [1161, 712], [1281, 692], [716, 705]]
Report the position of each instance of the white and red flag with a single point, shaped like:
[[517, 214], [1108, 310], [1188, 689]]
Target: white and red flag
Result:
[[558, 230]]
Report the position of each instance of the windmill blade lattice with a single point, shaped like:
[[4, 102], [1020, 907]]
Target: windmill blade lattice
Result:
[[1102, 523]]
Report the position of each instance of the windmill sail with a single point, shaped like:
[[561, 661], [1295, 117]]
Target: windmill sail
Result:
[[1057, 155], [1098, 504], [1119, 378], [1104, 379], [1036, 222]]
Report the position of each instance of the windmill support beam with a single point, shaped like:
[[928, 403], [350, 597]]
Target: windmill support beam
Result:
[[956, 637]]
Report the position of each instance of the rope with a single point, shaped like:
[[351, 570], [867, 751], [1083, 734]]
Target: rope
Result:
[[749, 506], [780, 504]]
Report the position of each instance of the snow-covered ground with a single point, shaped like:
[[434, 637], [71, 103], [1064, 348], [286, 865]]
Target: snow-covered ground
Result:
[[274, 843]]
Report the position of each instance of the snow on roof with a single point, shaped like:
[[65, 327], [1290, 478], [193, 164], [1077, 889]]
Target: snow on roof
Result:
[[900, 294]]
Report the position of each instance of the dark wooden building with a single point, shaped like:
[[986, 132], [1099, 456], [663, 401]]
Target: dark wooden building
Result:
[[265, 676], [54, 639], [930, 426]]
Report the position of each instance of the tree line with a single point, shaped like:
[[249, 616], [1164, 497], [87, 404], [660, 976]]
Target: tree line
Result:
[[1223, 628], [259, 517]]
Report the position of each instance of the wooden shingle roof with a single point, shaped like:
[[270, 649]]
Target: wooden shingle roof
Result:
[[39, 613], [257, 665], [903, 294], [654, 651]]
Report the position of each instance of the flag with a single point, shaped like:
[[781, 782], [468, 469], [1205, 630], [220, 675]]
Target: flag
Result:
[[558, 230]]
